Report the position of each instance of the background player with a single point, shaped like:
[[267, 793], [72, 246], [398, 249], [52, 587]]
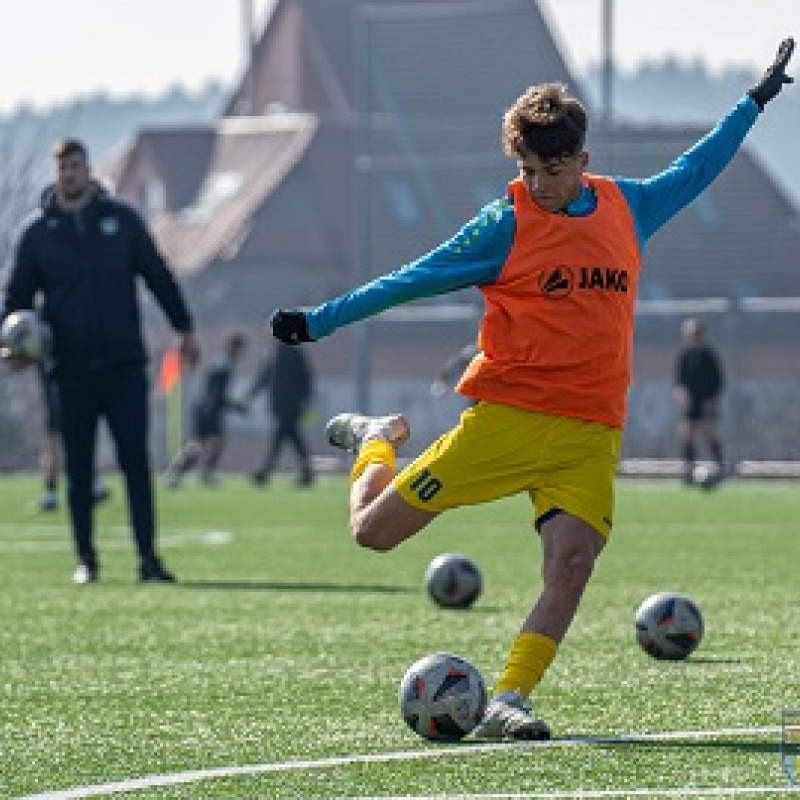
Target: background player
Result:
[[699, 381], [209, 439], [50, 455], [287, 377]]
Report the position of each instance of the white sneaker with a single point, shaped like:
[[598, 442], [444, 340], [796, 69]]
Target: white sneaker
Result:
[[172, 479], [48, 500], [508, 716], [84, 574], [350, 431]]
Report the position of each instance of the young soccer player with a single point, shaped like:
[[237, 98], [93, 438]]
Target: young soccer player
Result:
[[557, 261]]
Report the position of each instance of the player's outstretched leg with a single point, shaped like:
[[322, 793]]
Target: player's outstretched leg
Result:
[[350, 431], [380, 518]]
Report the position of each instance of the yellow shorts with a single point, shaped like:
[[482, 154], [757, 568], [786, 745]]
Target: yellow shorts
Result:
[[564, 464]]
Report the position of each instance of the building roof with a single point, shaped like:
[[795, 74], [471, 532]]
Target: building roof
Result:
[[294, 183], [324, 57], [249, 158]]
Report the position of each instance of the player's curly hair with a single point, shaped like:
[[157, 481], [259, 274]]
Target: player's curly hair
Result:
[[547, 121]]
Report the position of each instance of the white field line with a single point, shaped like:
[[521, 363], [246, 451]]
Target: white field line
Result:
[[580, 794], [152, 781], [54, 538]]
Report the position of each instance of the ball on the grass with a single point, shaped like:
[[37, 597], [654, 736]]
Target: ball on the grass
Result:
[[442, 697], [669, 626], [453, 580]]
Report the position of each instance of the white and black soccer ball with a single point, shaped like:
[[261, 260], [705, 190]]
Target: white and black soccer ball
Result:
[[442, 697], [669, 626], [24, 335], [453, 580]]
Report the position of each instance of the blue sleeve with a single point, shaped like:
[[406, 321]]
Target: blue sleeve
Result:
[[474, 256], [655, 200]]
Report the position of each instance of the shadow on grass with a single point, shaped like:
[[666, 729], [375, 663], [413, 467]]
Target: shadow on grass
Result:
[[296, 586], [616, 742], [772, 748]]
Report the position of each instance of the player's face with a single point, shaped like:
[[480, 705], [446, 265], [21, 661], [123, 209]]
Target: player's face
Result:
[[72, 176], [555, 182]]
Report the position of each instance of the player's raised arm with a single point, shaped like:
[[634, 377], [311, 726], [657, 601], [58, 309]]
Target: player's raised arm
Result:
[[655, 200]]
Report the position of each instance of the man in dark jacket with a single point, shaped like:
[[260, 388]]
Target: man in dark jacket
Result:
[[699, 382], [288, 377], [81, 254]]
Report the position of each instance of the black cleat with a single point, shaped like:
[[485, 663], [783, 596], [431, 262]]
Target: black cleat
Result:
[[151, 571], [259, 478], [100, 493]]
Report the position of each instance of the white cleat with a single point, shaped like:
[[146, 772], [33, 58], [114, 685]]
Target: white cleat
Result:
[[350, 431], [84, 573], [508, 716], [172, 479], [48, 501]]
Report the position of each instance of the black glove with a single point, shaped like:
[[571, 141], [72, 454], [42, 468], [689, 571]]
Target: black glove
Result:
[[775, 76], [290, 326]]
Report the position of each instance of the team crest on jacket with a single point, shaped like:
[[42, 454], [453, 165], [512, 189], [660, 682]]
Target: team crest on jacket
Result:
[[556, 281], [109, 226]]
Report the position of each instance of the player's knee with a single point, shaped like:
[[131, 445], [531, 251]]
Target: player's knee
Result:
[[372, 535]]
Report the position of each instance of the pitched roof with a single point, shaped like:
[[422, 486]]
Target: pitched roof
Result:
[[249, 157], [175, 157], [453, 55]]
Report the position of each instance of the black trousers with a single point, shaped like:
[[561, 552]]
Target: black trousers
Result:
[[287, 431], [120, 396]]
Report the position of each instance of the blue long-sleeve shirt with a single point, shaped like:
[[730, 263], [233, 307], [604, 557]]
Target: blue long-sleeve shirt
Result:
[[476, 254]]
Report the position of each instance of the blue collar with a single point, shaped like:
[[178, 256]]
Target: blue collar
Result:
[[583, 204]]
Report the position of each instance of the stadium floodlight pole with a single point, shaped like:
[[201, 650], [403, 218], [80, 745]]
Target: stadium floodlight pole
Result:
[[362, 218], [248, 31], [608, 63]]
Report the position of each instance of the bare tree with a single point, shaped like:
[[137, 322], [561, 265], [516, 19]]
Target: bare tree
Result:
[[25, 143]]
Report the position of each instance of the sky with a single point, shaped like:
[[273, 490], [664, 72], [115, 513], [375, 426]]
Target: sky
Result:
[[56, 51]]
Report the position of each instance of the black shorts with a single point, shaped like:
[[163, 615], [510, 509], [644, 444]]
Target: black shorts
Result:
[[206, 425], [700, 410]]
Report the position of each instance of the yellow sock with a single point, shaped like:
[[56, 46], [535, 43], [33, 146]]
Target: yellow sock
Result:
[[531, 654], [375, 451]]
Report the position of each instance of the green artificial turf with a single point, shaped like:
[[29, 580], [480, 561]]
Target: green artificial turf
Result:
[[281, 650]]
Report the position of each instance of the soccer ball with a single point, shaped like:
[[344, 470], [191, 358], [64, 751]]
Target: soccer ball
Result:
[[669, 626], [24, 335], [442, 697], [453, 580]]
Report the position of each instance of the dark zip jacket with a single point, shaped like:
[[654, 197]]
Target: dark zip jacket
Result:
[[84, 267]]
